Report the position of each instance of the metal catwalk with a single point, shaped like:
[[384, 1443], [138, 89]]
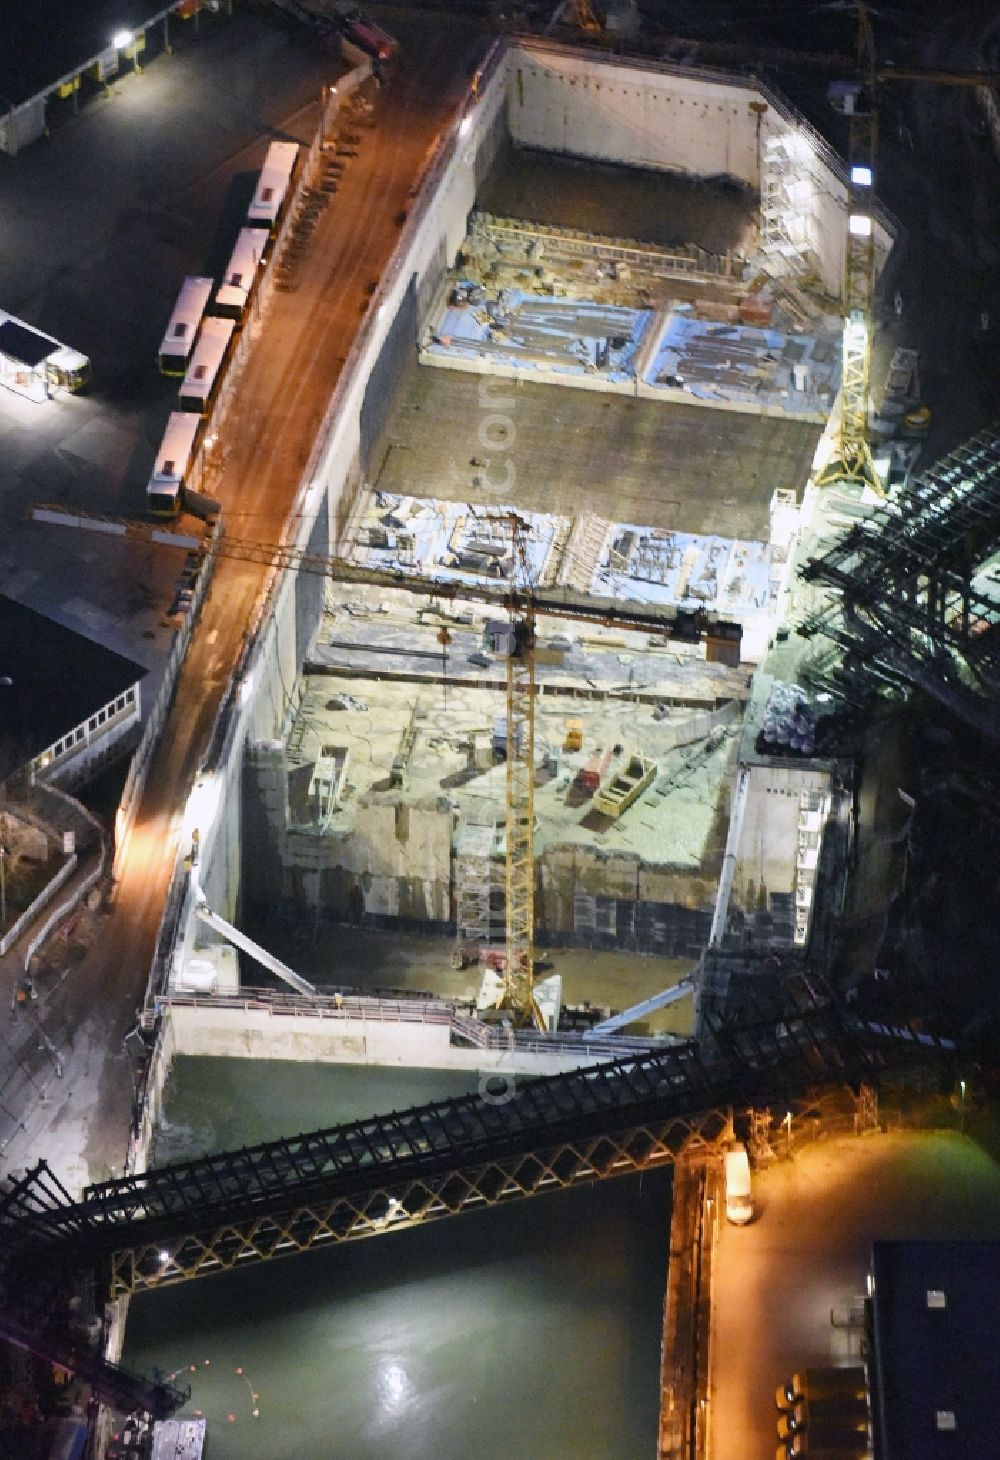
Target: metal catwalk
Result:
[[372, 1176], [915, 594]]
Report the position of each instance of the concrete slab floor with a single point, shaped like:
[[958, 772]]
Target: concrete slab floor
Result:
[[689, 468], [376, 632], [679, 822]]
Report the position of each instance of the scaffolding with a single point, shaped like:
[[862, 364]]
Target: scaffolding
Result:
[[789, 186], [853, 458], [759, 1136], [866, 1110], [474, 879]]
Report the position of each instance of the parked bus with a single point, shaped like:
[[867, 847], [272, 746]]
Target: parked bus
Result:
[[370, 39], [272, 186], [182, 331], [233, 294], [207, 367], [165, 489]]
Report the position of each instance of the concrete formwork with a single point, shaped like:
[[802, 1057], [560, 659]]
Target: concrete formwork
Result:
[[623, 111]]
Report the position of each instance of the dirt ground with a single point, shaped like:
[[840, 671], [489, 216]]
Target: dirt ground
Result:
[[654, 207]]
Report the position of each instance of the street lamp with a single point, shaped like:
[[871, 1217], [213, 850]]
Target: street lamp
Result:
[[121, 39], [788, 1130], [961, 1106]]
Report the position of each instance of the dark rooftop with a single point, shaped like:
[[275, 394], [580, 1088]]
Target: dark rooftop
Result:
[[58, 678], [936, 1332], [45, 40], [18, 342]]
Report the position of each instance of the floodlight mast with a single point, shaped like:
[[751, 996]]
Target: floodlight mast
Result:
[[853, 460]]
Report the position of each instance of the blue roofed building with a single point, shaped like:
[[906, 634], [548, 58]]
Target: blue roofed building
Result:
[[934, 1336]]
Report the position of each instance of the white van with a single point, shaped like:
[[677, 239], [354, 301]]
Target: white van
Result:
[[739, 1198]]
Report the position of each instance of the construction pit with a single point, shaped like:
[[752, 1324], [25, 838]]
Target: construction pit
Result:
[[532, 299], [650, 406], [394, 766]]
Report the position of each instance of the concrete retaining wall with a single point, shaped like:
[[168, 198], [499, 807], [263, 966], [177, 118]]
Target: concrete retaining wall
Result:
[[641, 389], [259, 1034], [589, 106], [709, 124], [640, 114], [257, 708]]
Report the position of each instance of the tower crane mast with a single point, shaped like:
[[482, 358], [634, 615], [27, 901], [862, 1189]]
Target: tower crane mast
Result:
[[519, 820], [859, 79]]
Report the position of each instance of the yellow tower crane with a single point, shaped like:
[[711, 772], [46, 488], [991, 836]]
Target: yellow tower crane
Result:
[[855, 94], [519, 821], [859, 103]]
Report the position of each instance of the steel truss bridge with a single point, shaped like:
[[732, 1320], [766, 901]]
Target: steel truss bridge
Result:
[[521, 1138], [915, 592]]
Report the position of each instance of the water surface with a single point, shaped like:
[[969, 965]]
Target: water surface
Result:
[[531, 1330]]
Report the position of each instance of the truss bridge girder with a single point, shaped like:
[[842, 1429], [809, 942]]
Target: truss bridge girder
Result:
[[915, 601], [385, 1209], [172, 1222]]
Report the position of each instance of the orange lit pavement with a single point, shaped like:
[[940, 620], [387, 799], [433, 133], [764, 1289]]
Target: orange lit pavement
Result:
[[80, 1122], [807, 1252]]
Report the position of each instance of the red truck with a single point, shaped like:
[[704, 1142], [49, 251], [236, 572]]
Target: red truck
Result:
[[589, 777], [370, 39]]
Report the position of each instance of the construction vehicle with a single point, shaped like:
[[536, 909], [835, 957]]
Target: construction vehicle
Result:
[[822, 1383], [573, 740], [806, 1413], [739, 1191], [588, 778], [848, 1440], [625, 786]]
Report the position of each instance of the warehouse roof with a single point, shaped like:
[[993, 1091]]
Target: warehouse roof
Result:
[[936, 1332], [48, 41], [51, 680]]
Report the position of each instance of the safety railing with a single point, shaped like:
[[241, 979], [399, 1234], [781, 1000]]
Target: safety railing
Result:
[[688, 259], [461, 1019], [321, 1006]]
